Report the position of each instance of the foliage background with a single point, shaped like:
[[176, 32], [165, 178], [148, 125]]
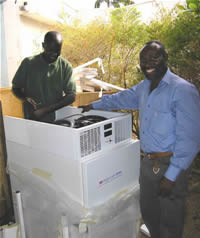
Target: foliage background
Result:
[[119, 41]]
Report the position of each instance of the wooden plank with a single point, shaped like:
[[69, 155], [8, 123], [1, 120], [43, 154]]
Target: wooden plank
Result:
[[5, 197], [87, 97], [11, 106]]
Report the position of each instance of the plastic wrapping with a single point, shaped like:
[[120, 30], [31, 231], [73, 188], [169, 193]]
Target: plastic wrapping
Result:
[[49, 212], [68, 193]]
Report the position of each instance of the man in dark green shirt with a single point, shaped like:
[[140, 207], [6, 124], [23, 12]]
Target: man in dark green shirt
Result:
[[44, 82]]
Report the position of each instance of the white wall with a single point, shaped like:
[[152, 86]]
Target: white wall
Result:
[[31, 36], [150, 8], [22, 37], [11, 45], [3, 59]]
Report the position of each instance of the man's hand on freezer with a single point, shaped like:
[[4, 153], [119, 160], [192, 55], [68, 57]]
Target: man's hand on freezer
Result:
[[86, 107], [39, 113], [32, 102]]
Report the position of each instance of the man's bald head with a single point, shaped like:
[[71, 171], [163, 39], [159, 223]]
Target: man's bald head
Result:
[[52, 46], [156, 46], [153, 60], [53, 36]]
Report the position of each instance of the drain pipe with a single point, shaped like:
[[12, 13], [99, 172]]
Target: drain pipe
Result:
[[20, 214], [100, 64]]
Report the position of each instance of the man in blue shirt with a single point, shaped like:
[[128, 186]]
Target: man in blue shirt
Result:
[[169, 112]]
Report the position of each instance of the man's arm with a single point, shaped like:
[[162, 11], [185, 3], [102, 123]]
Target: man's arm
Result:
[[19, 80], [18, 83], [66, 100], [19, 93], [187, 136], [187, 107], [126, 99]]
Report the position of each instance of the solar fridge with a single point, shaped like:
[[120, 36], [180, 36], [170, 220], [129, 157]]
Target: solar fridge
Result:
[[75, 182]]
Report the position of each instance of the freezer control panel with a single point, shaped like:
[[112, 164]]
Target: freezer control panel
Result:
[[108, 133]]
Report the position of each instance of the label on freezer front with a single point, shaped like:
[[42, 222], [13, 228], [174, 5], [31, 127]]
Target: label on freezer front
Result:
[[110, 178], [107, 174]]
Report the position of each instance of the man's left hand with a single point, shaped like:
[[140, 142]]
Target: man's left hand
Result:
[[166, 187], [39, 113]]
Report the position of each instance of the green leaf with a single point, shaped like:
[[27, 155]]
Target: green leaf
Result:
[[191, 1], [181, 7], [193, 6]]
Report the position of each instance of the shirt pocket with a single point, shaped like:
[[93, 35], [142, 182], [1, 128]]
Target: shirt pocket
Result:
[[162, 124]]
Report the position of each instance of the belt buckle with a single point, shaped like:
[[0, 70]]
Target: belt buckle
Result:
[[156, 167], [156, 170]]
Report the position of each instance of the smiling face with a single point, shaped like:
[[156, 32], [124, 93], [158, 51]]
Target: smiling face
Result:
[[153, 61], [52, 46]]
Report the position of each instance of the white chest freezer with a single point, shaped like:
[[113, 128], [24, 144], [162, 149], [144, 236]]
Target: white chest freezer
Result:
[[89, 164], [72, 142]]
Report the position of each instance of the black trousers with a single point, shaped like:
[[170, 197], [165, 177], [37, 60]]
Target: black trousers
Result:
[[164, 217]]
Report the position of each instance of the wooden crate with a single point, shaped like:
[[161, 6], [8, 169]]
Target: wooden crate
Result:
[[5, 197], [12, 106]]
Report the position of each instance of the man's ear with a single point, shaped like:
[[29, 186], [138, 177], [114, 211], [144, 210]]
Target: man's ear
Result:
[[166, 56], [43, 45]]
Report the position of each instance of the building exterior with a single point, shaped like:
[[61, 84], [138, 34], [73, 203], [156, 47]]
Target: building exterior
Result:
[[21, 33], [24, 23]]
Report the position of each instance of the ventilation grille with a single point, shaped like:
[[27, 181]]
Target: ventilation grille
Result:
[[90, 141], [122, 131]]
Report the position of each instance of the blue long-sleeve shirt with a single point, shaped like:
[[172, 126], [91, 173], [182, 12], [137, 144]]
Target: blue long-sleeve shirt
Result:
[[169, 118]]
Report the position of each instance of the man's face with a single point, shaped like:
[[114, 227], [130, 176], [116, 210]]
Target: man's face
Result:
[[153, 62], [51, 51]]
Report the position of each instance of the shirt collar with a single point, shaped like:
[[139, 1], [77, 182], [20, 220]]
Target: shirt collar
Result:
[[167, 76], [54, 63], [165, 79]]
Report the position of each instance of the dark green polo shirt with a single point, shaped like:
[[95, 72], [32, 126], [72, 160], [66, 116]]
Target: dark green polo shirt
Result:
[[45, 83]]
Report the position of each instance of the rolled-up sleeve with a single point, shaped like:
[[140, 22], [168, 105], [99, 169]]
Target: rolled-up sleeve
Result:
[[69, 85], [20, 77]]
